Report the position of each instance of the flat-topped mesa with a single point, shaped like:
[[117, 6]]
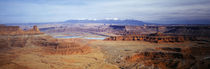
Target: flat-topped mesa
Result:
[[156, 38], [60, 46], [9, 28], [15, 30], [66, 48]]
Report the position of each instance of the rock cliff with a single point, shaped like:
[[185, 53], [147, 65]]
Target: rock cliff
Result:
[[156, 38], [61, 46], [172, 58], [13, 36], [15, 30]]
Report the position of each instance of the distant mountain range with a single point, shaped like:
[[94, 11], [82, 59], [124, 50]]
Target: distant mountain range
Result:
[[105, 21], [114, 22], [119, 22]]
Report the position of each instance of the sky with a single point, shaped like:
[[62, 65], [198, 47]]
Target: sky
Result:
[[154, 11]]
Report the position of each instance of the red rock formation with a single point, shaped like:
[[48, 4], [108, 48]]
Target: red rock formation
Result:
[[71, 48], [163, 60], [173, 58], [13, 41], [157, 38], [15, 30], [55, 46], [9, 28], [35, 28], [4, 44]]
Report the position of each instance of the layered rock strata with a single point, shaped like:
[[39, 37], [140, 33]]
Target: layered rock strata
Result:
[[71, 48], [13, 36], [156, 38], [55, 46], [171, 58], [15, 30]]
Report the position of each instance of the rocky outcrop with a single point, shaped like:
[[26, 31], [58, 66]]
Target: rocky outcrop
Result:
[[156, 38], [9, 28], [189, 30], [35, 28], [9, 38], [55, 46], [193, 50], [71, 48], [50, 44], [172, 58], [13, 41], [199, 31], [164, 60], [15, 30]]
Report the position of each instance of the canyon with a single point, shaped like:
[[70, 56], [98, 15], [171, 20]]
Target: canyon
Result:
[[156, 38], [16, 30], [33, 49], [124, 47]]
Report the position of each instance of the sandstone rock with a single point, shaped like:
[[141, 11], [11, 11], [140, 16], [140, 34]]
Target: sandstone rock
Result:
[[13, 41], [35, 28], [15, 30], [71, 48], [4, 44], [9, 28], [156, 38], [55, 46], [194, 57], [163, 60]]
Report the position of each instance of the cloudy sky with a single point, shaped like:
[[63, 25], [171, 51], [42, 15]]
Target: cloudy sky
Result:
[[156, 11]]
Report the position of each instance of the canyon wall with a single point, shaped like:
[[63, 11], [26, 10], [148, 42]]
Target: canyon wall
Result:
[[172, 58], [13, 36], [9, 28], [15, 30], [156, 38], [199, 31], [71, 48], [61, 46]]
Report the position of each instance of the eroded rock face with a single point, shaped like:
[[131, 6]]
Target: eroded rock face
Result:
[[199, 31], [171, 58], [71, 48], [15, 30], [16, 37], [164, 60], [4, 44], [9, 28], [55, 46], [156, 38], [13, 41]]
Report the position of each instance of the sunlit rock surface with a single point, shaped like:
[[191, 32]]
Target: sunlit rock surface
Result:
[[127, 49], [34, 50], [157, 38], [15, 30]]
